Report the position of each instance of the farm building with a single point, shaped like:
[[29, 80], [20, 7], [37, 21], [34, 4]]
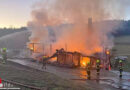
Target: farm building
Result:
[[74, 59]]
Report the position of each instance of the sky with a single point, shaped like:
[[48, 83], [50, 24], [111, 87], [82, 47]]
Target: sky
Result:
[[16, 13]]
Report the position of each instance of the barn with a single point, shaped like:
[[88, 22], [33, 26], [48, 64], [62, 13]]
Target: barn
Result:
[[74, 59]]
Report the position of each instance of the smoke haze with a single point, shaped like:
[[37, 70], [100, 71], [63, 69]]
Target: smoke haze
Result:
[[64, 24]]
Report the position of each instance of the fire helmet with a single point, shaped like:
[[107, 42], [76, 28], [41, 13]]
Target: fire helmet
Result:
[[120, 61], [98, 61], [4, 49], [88, 63]]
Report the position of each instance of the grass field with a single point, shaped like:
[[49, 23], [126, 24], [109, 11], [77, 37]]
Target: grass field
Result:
[[122, 47]]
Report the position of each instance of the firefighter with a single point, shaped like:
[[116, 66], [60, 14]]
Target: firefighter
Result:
[[88, 69], [44, 62], [120, 67], [98, 66], [4, 55]]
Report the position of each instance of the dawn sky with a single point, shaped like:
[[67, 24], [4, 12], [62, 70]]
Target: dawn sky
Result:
[[16, 13]]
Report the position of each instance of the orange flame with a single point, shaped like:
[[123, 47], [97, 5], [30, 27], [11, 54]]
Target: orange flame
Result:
[[107, 52], [84, 61], [30, 46], [35, 47]]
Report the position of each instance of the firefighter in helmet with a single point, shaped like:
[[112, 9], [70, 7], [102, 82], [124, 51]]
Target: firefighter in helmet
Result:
[[88, 69], [44, 62], [120, 67], [4, 55], [98, 66]]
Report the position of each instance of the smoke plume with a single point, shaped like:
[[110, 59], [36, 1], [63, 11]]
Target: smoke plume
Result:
[[64, 24]]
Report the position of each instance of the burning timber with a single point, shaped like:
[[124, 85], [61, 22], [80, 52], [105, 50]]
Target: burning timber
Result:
[[70, 59]]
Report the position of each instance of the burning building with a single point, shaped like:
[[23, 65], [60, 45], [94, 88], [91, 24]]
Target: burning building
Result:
[[64, 57], [74, 59], [68, 58], [61, 24]]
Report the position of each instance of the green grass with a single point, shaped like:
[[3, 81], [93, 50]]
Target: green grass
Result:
[[122, 39], [122, 48]]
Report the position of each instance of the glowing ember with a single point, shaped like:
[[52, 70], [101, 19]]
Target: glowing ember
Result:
[[84, 63], [53, 59], [107, 52], [30, 46], [35, 47]]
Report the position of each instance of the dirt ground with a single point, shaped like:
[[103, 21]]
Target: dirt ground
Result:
[[22, 74], [105, 81]]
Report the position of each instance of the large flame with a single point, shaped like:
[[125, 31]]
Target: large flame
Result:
[[64, 24], [36, 47], [84, 61], [30, 46]]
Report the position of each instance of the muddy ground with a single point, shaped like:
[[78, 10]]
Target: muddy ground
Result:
[[108, 80], [22, 74]]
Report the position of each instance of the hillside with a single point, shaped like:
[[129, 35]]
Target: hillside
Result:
[[6, 31]]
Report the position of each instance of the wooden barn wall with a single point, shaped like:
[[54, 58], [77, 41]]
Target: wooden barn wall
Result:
[[76, 59], [68, 59]]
